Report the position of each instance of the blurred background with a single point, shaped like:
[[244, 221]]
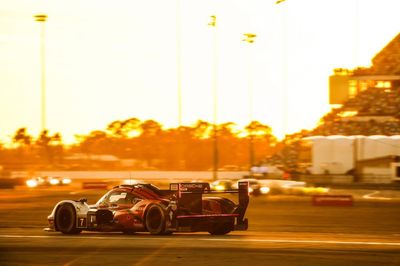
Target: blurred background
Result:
[[304, 90]]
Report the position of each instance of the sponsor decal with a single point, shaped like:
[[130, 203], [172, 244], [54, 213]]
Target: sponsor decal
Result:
[[191, 186], [243, 185], [82, 222]]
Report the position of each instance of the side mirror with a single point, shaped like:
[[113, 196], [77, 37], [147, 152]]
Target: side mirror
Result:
[[83, 200]]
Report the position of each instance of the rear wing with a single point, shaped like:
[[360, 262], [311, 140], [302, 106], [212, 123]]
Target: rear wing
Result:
[[204, 188], [189, 199]]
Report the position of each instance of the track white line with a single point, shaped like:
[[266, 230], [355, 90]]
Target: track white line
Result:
[[372, 196], [293, 241], [314, 241]]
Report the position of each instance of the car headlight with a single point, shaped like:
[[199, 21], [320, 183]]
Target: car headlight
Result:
[[31, 183], [66, 181], [264, 190], [54, 181], [40, 181], [321, 189], [219, 187]]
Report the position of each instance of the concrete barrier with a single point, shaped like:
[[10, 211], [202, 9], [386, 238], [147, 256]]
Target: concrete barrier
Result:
[[94, 185], [6, 183], [332, 200], [327, 179]]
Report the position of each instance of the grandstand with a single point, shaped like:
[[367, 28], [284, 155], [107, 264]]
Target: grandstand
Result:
[[384, 73], [367, 99]]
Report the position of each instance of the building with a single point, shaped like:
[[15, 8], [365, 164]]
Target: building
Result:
[[367, 158]]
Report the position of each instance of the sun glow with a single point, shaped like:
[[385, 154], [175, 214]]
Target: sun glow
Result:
[[107, 61]]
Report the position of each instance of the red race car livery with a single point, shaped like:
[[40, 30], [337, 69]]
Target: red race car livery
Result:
[[145, 208]]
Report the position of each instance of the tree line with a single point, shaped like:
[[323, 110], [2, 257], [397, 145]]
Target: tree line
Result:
[[136, 144]]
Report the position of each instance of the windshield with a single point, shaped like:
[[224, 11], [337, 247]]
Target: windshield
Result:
[[118, 197]]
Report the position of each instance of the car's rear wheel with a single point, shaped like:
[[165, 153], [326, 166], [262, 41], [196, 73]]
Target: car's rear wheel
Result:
[[155, 220], [221, 228], [65, 219], [167, 233]]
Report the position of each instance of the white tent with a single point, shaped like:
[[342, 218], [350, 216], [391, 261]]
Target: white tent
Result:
[[337, 154]]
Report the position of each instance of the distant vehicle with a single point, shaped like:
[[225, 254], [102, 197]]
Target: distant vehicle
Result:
[[282, 183], [266, 171], [255, 186], [273, 185], [221, 185], [48, 181], [146, 208]]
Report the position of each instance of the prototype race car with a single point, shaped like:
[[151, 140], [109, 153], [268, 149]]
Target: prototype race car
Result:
[[145, 208]]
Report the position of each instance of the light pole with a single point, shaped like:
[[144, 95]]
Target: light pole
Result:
[[285, 69], [180, 143], [213, 24], [179, 60], [41, 18], [250, 38]]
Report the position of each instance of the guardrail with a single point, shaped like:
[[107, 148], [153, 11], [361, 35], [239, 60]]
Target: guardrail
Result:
[[6, 183], [94, 185], [332, 200]]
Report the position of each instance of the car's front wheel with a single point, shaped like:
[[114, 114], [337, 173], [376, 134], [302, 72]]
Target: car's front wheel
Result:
[[65, 219], [155, 219]]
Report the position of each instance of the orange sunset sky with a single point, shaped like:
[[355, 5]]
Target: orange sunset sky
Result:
[[111, 60]]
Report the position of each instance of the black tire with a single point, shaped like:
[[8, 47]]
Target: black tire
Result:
[[128, 232], [221, 229], [155, 220], [167, 233], [65, 219]]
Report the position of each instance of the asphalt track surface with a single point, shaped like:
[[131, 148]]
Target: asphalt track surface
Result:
[[284, 230]]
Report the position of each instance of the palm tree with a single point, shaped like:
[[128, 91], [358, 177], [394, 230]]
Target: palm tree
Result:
[[22, 138], [124, 129], [50, 147], [260, 141]]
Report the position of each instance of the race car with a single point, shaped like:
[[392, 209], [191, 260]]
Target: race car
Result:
[[146, 208], [256, 187], [222, 185]]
